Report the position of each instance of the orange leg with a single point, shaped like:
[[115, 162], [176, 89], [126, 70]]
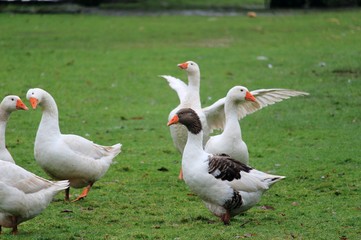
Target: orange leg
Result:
[[180, 176], [84, 193], [15, 225], [67, 191], [226, 218]]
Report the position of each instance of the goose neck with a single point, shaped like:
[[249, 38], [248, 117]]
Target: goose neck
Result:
[[2, 133], [50, 118], [194, 146], [194, 80], [232, 124]]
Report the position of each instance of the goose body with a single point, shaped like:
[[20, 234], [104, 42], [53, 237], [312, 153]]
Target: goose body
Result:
[[67, 156], [230, 141], [238, 103], [8, 105], [227, 186], [23, 194]]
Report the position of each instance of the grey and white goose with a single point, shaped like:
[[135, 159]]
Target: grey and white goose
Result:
[[227, 186]]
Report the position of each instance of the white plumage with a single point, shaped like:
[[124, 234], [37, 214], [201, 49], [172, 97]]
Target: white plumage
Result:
[[67, 156], [227, 186], [237, 104], [23, 195], [8, 105], [214, 116]]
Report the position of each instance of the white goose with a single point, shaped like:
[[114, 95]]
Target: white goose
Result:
[[227, 186], [8, 105], [189, 98], [238, 103], [213, 117], [23, 195], [67, 156]]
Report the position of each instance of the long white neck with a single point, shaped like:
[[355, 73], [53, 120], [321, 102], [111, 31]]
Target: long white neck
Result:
[[232, 126], [49, 124], [193, 148], [4, 116], [193, 95]]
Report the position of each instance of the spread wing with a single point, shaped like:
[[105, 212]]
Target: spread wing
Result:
[[264, 97], [177, 85], [225, 168], [270, 96], [215, 114]]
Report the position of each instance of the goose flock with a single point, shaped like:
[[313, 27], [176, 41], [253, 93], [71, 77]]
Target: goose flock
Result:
[[71, 160], [215, 167]]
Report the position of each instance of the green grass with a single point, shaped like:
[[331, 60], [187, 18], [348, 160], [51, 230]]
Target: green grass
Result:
[[103, 73]]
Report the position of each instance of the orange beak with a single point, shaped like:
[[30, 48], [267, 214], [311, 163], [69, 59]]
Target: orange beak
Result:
[[183, 65], [250, 97], [33, 102], [174, 120], [21, 105]]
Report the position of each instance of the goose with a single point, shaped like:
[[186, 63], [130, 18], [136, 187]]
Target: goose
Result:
[[226, 186], [239, 102], [67, 156], [213, 116], [8, 105], [189, 97], [23, 195]]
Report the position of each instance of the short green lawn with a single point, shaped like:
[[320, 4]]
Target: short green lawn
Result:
[[103, 73]]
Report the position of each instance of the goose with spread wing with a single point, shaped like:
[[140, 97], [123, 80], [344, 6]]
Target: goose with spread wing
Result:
[[213, 116], [238, 103]]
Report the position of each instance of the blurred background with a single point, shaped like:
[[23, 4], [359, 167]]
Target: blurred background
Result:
[[78, 6]]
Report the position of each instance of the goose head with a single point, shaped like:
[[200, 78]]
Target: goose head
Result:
[[189, 118], [11, 103], [35, 96], [239, 94], [190, 66]]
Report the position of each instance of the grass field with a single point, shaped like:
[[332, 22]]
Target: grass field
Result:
[[103, 73]]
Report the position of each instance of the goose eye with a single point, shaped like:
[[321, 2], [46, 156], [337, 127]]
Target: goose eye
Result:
[[241, 90]]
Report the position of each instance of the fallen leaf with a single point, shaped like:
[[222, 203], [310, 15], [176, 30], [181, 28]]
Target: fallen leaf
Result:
[[252, 14], [137, 118]]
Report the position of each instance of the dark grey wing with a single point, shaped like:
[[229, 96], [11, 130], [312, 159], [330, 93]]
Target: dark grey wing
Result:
[[226, 168]]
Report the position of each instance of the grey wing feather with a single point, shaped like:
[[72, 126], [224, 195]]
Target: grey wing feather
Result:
[[225, 168]]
